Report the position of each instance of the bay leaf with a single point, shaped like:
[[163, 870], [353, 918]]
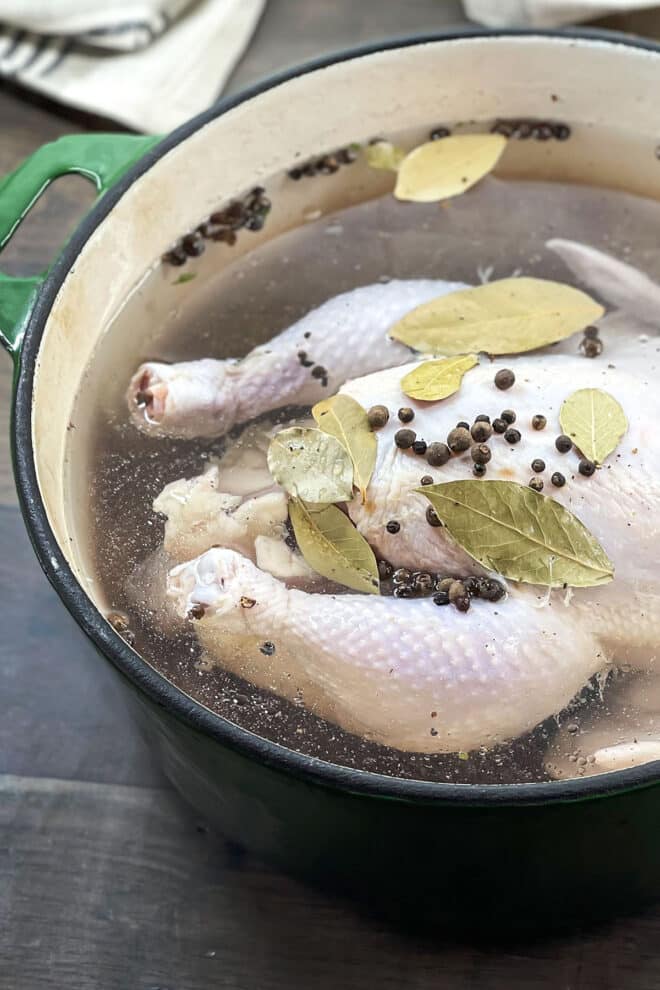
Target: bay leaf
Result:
[[344, 418], [333, 547], [594, 421], [440, 169], [433, 380], [519, 533], [311, 465], [508, 316], [384, 155]]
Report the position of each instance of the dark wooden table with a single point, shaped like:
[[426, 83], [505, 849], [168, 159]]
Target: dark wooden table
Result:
[[106, 880]]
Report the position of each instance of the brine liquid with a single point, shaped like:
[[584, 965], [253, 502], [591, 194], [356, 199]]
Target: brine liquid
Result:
[[496, 229]]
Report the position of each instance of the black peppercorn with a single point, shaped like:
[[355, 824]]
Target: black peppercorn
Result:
[[193, 244], [558, 479], [481, 431], [401, 576], [385, 570], [439, 132], [591, 333], [267, 649], [462, 603], [462, 425], [175, 256], [404, 591], [404, 439], [419, 446], [426, 480], [437, 454], [459, 440], [538, 466], [479, 470], [508, 416], [480, 453], [441, 598], [490, 589], [591, 347], [406, 414], [539, 422], [536, 484], [499, 425], [512, 435], [562, 131], [586, 467], [378, 417], [504, 379], [563, 443], [422, 581], [482, 418], [431, 517], [393, 526], [444, 584], [472, 586]]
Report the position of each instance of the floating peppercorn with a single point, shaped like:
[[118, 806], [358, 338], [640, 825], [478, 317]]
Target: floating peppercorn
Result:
[[378, 417], [499, 425], [175, 256], [563, 443], [480, 453], [472, 586], [591, 347], [193, 244], [586, 467], [462, 425], [196, 611], [419, 446], [393, 526], [482, 418], [504, 379], [490, 589], [437, 454], [426, 480], [432, 517], [479, 470], [318, 371], [539, 422], [441, 598], [438, 133], [456, 590], [508, 416], [404, 591], [422, 581], [404, 439], [481, 431], [512, 435], [558, 479], [591, 332], [459, 440], [536, 484], [538, 466], [562, 131], [267, 649], [401, 576], [406, 414]]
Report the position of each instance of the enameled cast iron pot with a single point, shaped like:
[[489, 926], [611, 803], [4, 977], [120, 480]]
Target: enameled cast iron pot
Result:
[[529, 855]]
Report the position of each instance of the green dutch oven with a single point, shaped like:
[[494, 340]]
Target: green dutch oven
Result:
[[526, 856]]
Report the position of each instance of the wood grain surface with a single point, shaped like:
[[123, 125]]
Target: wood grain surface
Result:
[[107, 881]]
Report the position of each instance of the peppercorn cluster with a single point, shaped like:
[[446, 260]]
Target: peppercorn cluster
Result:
[[249, 213], [538, 130], [326, 164], [404, 583]]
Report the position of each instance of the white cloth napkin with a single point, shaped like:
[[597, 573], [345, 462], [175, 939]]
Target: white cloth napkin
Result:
[[546, 13], [149, 64]]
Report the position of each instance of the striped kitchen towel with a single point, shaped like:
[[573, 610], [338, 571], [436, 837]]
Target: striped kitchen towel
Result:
[[546, 13], [148, 64]]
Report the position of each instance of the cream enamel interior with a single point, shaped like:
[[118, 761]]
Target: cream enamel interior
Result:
[[594, 82]]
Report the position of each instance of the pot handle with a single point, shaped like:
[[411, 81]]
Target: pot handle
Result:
[[101, 158]]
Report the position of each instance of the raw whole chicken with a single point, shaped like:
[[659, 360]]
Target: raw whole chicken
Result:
[[405, 672]]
